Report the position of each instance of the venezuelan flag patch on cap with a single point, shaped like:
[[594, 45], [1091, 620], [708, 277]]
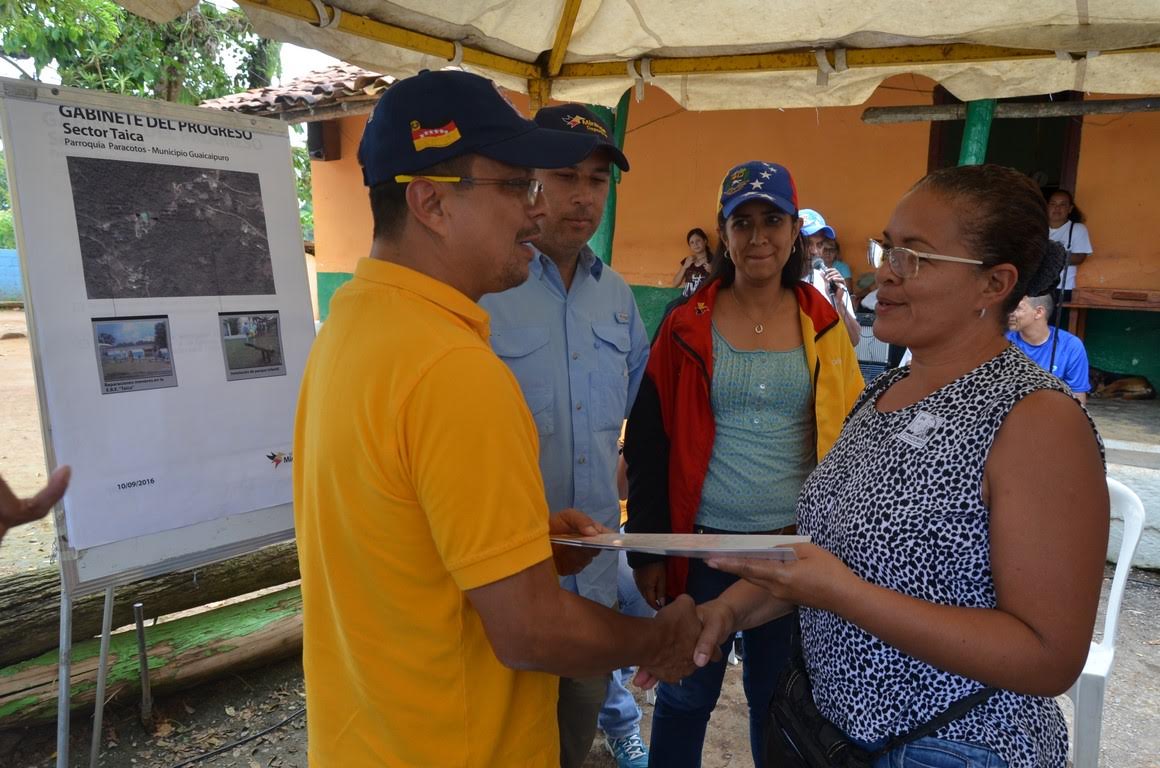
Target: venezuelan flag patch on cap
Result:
[[429, 138]]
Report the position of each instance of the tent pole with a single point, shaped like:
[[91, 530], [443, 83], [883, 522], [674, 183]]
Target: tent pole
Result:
[[976, 132], [601, 241]]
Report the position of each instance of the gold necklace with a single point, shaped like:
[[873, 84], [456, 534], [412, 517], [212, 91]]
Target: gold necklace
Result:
[[758, 326]]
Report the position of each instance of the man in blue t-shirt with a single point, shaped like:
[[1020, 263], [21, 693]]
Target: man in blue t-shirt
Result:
[[1031, 333]]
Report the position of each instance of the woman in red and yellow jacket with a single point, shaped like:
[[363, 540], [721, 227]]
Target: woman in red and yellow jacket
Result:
[[747, 386]]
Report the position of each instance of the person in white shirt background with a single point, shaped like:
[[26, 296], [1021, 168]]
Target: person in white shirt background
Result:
[[1066, 227]]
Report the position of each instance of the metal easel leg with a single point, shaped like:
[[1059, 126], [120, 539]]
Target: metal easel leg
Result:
[[63, 681], [102, 674]]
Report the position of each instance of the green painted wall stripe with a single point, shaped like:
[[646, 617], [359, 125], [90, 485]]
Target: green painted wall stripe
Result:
[[1124, 342], [1117, 341], [651, 300], [328, 283]]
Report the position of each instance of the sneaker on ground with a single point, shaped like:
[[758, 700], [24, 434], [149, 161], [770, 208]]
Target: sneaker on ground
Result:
[[629, 751]]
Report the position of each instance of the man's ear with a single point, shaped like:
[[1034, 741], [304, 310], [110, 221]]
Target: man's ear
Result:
[[426, 200]]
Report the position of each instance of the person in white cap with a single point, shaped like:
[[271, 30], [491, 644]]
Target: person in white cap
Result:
[[827, 279]]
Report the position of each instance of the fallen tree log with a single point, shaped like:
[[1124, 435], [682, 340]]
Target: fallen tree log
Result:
[[30, 603], [181, 653]]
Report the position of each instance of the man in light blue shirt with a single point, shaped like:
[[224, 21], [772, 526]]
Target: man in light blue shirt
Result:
[[573, 337]]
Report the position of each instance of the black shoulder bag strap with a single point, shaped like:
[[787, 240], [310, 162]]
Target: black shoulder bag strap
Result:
[[1059, 299], [952, 713]]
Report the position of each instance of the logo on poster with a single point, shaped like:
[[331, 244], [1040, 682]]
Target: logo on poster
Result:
[[278, 457]]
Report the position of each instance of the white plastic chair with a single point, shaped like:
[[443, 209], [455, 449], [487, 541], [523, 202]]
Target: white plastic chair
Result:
[[1087, 693]]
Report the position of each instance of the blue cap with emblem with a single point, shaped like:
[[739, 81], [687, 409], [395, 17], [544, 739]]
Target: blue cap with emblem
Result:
[[757, 180], [578, 118], [433, 117]]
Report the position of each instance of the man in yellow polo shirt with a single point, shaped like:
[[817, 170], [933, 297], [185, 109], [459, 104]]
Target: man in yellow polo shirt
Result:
[[434, 621]]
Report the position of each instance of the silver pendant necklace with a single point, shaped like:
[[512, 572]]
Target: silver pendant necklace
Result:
[[758, 326]]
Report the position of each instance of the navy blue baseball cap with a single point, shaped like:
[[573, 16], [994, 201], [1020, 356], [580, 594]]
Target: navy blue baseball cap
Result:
[[577, 118], [757, 180], [433, 117]]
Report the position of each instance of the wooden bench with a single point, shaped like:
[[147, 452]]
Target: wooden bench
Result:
[[267, 354], [1083, 299]]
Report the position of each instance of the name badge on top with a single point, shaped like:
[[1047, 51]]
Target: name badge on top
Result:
[[921, 429]]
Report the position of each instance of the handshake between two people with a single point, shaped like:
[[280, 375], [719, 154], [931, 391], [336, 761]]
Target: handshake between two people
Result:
[[677, 643], [691, 635]]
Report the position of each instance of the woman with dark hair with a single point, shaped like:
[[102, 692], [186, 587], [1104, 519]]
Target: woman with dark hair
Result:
[[745, 390], [694, 267], [1066, 227], [939, 527]]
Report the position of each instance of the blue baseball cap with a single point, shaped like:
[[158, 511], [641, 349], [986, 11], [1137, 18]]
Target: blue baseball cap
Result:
[[813, 223], [757, 180], [578, 118], [433, 117]]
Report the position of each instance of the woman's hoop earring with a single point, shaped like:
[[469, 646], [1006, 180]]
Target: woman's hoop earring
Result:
[[982, 313]]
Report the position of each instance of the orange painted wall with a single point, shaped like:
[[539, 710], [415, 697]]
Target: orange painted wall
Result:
[[851, 172], [1117, 188], [342, 212]]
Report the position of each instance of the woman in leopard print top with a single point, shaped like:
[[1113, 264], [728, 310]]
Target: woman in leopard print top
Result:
[[960, 523]]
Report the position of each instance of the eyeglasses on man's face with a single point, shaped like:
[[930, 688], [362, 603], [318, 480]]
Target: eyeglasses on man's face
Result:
[[530, 187], [904, 261]]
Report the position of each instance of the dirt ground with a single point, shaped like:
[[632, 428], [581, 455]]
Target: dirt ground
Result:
[[218, 715]]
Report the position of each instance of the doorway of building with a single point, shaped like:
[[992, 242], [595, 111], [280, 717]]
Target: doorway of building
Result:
[[1044, 148]]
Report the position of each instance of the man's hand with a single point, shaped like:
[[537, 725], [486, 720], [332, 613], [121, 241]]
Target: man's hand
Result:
[[14, 511], [650, 580], [717, 625], [569, 559], [834, 277], [680, 629]]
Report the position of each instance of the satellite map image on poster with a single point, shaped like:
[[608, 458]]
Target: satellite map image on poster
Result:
[[149, 230]]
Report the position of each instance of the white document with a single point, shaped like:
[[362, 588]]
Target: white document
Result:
[[700, 545]]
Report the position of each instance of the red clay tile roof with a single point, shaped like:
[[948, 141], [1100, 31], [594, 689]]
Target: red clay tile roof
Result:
[[318, 95]]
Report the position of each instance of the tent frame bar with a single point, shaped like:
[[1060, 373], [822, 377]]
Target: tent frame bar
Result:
[[920, 113], [539, 76]]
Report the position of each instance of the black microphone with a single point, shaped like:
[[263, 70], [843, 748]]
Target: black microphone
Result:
[[820, 265]]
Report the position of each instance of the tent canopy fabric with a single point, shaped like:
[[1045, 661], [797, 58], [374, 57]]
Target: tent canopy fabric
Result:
[[730, 54]]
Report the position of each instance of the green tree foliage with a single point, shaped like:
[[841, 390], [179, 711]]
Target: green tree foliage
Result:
[[302, 183], [205, 53], [7, 230]]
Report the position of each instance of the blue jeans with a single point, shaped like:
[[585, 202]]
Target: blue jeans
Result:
[[682, 711], [929, 752], [620, 716]]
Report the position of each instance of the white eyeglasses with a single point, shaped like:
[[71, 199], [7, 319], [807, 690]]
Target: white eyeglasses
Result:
[[904, 261]]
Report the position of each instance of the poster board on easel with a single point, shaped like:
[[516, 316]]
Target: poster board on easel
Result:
[[170, 321]]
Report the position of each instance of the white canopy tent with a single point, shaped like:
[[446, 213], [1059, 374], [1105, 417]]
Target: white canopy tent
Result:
[[730, 54]]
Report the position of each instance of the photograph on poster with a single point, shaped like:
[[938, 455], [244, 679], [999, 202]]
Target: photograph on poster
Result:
[[252, 345], [151, 230], [133, 353]]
